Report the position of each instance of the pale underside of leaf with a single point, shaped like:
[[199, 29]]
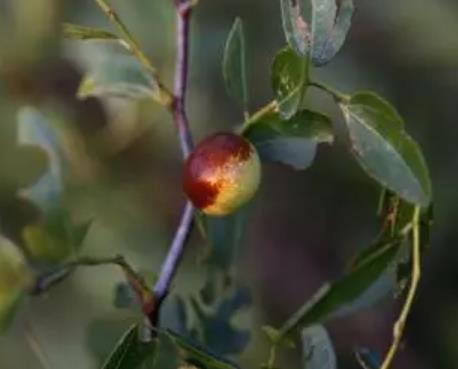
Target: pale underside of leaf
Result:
[[392, 169]]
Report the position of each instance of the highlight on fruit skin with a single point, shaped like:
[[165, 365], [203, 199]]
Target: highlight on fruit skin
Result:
[[222, 173]]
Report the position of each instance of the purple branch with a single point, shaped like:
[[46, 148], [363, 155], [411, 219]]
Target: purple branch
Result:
[[174, 255], [173, 258], [183, 10]]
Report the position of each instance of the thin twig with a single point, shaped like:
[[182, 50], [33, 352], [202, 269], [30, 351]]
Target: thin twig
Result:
[[170, 264], [398, 328], [133, 46], [175, 252], [183, 14]]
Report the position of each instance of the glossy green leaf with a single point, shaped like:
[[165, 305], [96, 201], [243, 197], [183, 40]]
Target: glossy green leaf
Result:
[[329, 28], [119, 76], [167, 350], [15, 279], [333, 296], [131, 353], [295, 26], [292, 141], [383, 148], [289, 81], [234, 64], [78, 32], [317, 349]]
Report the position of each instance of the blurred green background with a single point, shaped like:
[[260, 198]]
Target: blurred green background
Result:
[[123, 169]]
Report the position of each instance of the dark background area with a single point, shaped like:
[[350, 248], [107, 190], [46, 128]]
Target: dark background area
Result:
[[124, 170]]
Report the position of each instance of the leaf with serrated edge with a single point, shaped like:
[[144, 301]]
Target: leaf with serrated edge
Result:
[[234, 64]]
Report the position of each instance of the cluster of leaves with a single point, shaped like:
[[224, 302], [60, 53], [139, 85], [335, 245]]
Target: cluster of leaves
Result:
[[283, 131], [40, 235], [286, 132]]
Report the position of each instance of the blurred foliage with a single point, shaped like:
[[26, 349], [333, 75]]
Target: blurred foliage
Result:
[[122, 169]]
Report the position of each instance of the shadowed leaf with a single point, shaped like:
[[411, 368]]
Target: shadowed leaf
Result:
[[234, 64], [292, 141], [346, 290]]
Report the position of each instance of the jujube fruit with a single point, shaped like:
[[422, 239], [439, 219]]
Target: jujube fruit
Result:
[[222, 173]]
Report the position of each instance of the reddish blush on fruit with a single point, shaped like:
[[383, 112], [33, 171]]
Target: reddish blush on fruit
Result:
[[222, 173]]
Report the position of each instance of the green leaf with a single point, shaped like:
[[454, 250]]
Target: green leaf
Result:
[[35, 130], [80, 232], [77, 32], [329, 28], [167, 350], [234, 64], [346, 290], [15, 279], [55, 238], [289, 81], [193, 354], [131, 353], [384, 150], [317, 349], [21, 163], [295, 26], [292, 141], [119, 76], [208, 317]]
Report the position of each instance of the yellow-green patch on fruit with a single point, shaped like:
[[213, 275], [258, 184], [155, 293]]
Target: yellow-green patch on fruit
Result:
[[222, 173]]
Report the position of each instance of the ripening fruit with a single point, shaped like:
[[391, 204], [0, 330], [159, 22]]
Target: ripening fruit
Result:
[[222, 173]]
